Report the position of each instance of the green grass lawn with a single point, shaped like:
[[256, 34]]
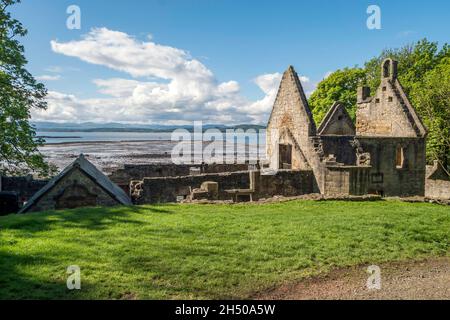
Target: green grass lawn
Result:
[[208, 251]]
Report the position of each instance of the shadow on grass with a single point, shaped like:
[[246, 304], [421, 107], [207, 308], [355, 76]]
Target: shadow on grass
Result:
[[15, 284], [87, 218]]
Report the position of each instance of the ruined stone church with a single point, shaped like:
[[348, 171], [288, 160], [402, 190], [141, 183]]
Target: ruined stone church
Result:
[[384, 153]]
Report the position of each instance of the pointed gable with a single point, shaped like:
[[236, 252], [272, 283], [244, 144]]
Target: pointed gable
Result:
[[411, 113], [389, 113], [337, 122], [291, 124], [81, 175], [438, 172], [291, 105]]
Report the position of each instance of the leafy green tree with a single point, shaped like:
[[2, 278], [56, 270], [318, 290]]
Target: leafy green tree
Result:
[[19, 93], [341, 86], [432, 99]]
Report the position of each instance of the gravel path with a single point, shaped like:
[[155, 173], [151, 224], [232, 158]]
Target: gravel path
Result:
[[428, 279]]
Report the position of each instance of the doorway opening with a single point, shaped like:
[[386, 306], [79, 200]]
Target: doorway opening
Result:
[[285, 152]]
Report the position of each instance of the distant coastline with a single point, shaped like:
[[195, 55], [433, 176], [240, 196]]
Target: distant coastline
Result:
[[58, 137], [67, 143], [133, 128]]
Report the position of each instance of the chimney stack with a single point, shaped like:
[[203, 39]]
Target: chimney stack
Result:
[[363, 94]]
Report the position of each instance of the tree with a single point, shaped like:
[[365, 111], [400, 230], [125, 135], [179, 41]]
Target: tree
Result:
[[19, 93], [341, 86], [432, 99]]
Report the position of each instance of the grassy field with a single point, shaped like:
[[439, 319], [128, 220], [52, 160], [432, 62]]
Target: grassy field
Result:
[[208, 251]]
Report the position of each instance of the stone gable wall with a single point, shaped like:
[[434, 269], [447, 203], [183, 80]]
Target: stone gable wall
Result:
[[291, 123], [387, 113]]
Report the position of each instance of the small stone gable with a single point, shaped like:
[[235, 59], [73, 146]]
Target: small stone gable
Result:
[[437, 182], [389, 113], [337, 122], [80, 184], [437, 172]]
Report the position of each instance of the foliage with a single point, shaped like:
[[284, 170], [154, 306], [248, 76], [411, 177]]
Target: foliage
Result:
[[341, 86], [19, 93], [432, 99], [208, 251], [419, 64]]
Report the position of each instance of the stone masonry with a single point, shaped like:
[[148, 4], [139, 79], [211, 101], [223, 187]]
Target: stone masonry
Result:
[[384, 153]]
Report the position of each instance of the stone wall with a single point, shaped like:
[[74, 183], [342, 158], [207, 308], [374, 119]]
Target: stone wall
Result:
[[122, 177], [25, 187], [341, 147], [284, 182], [346, 180], [438, 189], [385, 177], [287, 183], [97, 195], [168, 189]]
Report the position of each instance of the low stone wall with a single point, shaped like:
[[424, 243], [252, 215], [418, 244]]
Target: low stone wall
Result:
[[25, 187], [168, 189], [171, 189], [122, 177], [437, 189]]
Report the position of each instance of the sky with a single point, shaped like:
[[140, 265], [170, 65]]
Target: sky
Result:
[[216, 61]]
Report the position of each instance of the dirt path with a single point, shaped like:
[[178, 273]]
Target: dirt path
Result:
[[429, 279]]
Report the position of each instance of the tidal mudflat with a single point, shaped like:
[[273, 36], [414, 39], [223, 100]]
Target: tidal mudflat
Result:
[[110, 155]]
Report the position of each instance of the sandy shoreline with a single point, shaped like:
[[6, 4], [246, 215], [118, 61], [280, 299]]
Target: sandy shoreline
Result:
[[111, 155]]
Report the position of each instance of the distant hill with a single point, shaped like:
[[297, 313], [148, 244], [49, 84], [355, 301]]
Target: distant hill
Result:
[[120, 127]]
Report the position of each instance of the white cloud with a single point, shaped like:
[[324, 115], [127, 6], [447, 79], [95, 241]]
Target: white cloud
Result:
[[47, 77], [169, 86]]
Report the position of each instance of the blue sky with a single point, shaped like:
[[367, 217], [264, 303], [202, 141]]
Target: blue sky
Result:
[[216, 61]]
